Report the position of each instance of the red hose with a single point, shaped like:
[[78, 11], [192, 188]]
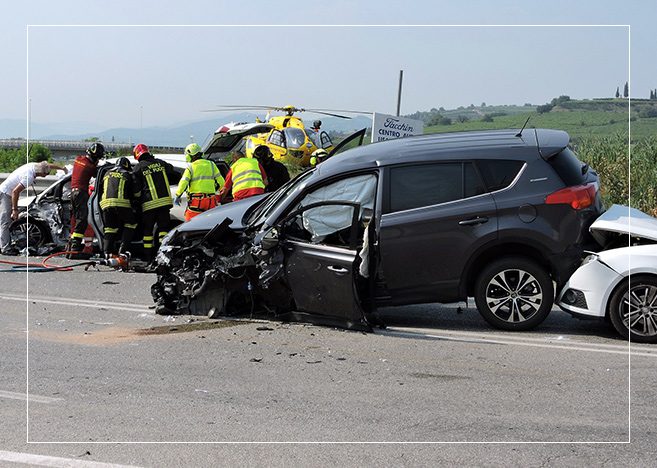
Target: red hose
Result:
[[43, 264]]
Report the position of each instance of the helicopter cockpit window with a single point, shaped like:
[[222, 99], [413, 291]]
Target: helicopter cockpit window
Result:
[[314, 137], [294, 137], [276, 138], [326, 140]]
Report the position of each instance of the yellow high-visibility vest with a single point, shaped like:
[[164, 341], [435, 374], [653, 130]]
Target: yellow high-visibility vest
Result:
[[246, 175], [202, 176]]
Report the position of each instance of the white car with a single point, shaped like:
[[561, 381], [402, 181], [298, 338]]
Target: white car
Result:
[[619, 284]]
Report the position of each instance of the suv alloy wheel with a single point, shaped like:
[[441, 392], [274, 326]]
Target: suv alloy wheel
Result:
[[514, 293]]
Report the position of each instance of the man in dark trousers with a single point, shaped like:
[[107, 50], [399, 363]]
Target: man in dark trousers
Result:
[[117, 191], [153, 190], [84, 168], [277, 174]]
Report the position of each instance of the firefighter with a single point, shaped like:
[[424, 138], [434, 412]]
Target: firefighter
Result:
[[277, 173], [84, 168], [202, 180], [153, 191], [117, 191], [246, 178]]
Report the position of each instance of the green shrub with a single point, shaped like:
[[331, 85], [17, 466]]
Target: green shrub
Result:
[[11, 159]]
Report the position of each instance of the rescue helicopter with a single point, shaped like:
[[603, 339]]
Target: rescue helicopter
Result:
[[288, 138]]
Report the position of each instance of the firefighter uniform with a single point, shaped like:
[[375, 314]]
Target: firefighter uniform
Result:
[[117, 190], [154, 193], [201, 180]]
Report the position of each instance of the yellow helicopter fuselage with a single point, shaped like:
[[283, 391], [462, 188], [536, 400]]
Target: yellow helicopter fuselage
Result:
[[290, 141]]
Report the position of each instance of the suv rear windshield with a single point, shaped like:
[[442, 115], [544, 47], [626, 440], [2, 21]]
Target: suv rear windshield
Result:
[[571, 170]]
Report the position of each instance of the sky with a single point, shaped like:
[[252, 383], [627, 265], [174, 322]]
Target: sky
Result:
[[114, 75]]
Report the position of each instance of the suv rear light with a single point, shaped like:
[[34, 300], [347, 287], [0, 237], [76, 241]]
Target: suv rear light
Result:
[[578, 197]]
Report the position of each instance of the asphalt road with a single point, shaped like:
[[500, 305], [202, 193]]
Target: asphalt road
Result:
[[111, 382]]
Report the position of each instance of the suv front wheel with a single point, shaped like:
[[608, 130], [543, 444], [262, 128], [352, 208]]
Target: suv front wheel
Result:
[[514, 293]]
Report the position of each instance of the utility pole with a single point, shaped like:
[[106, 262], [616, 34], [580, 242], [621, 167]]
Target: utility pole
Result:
[[401, 78]]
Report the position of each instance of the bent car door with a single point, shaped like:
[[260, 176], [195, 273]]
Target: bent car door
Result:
[[322, 240]]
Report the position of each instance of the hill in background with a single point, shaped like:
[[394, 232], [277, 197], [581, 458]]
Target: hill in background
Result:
[[580, 118]]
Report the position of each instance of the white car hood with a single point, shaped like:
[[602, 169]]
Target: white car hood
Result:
[[624, 220]]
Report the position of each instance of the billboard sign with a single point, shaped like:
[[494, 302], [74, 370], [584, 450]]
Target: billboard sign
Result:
[[390, 127]]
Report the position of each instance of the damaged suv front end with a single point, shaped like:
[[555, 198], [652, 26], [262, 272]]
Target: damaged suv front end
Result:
[[200, 260], [293, 254]]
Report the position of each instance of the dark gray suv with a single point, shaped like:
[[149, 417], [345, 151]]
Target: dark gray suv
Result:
[[499, 215]]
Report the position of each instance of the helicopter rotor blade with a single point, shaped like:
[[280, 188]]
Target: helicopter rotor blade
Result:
[[234, 109], [327, 113], [244, 106], [341, 110]]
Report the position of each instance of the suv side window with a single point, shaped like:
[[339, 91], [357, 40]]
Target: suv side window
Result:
[[473, 185], [497, 173], [431, 184], [330, 224]]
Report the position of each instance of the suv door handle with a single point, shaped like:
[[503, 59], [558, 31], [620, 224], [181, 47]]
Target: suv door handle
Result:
[[474, 221], [338, 270]]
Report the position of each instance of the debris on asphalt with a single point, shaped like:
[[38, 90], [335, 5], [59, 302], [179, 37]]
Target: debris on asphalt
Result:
[[255, 360], [264, 329], [111, 282]]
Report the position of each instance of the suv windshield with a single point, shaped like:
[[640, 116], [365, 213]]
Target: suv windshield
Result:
[[265, 209]]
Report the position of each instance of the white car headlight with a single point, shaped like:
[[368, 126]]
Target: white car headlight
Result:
[[590, 258]]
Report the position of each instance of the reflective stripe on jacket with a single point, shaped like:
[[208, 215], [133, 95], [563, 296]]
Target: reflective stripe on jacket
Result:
[[152, 183], [246, 174], [117, 189], [202, 176]]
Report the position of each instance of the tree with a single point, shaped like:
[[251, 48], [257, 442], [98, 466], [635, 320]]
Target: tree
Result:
[[626, 90], [544, 108], [617, 92]]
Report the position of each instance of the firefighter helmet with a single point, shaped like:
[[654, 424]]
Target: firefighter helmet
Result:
[[124, 163], [96, 151], [140, 150], [193, 151], [318, 156]]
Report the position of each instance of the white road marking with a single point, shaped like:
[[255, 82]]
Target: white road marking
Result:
[[77, 302], [57, 462], [481, 337], [636, 350], [32, 397]]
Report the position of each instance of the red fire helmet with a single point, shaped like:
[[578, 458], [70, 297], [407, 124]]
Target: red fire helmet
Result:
[[139, 150]]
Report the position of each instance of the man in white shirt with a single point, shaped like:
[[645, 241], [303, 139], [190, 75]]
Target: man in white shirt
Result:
[[10, 191]]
